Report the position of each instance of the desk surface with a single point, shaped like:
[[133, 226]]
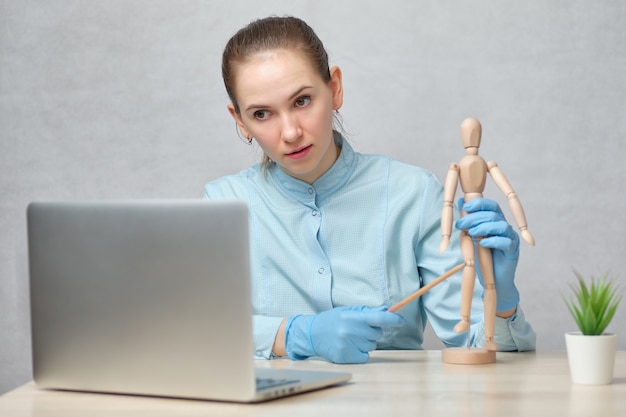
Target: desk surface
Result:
[[392, 383]]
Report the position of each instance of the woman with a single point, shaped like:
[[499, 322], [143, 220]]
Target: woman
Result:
[[337, 236]]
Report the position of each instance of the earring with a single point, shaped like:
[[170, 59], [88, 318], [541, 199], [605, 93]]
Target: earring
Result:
[[247, 139]]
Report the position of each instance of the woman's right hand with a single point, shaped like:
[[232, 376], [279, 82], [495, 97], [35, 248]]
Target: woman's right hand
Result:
[[340, 335]]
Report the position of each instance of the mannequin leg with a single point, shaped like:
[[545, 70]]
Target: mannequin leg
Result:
[[486, 266], [467, 283]]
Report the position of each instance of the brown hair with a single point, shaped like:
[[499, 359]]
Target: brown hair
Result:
[[269, 34]]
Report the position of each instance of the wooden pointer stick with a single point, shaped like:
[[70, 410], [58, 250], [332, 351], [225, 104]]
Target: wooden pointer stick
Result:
[[425, 288]]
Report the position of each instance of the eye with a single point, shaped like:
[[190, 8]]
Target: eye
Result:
[[261, 114], [302, 101]]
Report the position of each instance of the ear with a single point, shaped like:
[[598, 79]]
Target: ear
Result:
[[336, 86], [238, 120]]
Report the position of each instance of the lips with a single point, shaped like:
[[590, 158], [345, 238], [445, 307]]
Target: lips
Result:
[[300, 152]]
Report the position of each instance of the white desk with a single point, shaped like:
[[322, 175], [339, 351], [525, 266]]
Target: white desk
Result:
[[392, 383]]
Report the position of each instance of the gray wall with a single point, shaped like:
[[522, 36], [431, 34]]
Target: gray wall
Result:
[[122, 99]]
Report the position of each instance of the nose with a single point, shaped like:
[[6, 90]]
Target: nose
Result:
[[290, 129]]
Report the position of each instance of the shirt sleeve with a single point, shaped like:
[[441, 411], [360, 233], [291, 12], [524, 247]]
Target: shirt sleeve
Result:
[[510, 334], [264, 329]]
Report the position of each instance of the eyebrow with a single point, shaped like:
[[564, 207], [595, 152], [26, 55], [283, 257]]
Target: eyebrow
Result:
[[294, 95]]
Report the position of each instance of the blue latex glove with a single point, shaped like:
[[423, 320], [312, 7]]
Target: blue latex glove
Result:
[[484, 218], [341, 335]]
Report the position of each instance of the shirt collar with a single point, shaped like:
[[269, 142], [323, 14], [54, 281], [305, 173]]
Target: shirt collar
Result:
[[324, 186]]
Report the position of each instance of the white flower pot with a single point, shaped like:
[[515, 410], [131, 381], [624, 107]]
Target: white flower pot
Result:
[[591, 358]]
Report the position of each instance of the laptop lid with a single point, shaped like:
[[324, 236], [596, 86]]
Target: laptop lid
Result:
[[145, 297]]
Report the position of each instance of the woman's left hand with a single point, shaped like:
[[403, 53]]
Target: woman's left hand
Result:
[[484, 218]]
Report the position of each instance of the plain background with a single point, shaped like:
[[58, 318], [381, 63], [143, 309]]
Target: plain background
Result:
[[124, 99]]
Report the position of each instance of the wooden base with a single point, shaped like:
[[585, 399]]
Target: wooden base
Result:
[[468, 356]]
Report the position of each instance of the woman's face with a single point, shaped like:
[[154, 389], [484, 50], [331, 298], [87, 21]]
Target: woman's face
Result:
[[287, 108]]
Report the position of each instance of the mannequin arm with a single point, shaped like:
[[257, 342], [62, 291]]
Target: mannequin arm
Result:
[[516, 206], [447, 214]]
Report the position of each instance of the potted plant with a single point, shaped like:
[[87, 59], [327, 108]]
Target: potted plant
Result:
[[591, 351]]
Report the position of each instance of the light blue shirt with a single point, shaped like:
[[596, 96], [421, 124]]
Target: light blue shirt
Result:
[[367, 232]]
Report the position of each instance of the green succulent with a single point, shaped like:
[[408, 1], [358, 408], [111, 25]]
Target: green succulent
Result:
[[594, 304]]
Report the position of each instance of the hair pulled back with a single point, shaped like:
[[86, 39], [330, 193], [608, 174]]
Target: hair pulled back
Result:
[[271, 33]]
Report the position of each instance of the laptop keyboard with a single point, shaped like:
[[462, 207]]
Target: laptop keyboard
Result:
[[264, 383]]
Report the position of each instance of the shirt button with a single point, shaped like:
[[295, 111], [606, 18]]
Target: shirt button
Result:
[[320, 271], [314, 212], [310, 190]]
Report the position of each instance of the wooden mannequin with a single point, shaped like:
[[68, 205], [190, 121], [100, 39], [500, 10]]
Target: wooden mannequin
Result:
[[471, 172]]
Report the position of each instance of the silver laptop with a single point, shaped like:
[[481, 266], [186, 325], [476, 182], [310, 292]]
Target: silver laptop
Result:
[[149, 298]]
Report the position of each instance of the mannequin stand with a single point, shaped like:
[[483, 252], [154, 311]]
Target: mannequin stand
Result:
[[468, 356]]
